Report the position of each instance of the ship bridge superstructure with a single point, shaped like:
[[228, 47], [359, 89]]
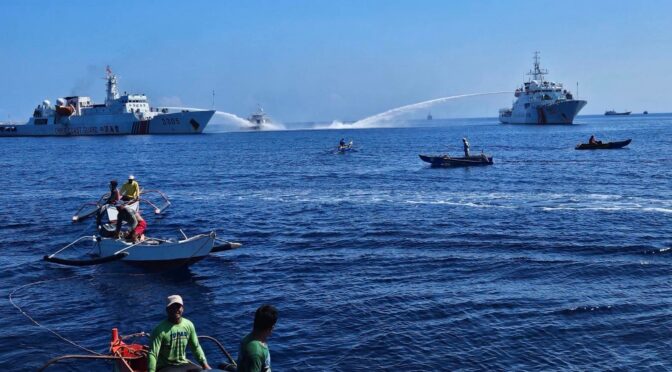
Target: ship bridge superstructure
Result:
[[115, 104]]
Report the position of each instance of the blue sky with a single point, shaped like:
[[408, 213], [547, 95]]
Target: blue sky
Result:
[[334, 60]]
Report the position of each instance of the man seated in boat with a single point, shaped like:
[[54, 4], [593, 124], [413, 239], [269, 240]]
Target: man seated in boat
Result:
[[341, 143], [130, 190], [169, 340], [111, 200], [594, 141], [115, 196], [136, 224]]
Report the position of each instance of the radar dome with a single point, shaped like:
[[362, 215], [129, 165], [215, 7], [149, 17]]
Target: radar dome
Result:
[[46, 103], [60, 102]]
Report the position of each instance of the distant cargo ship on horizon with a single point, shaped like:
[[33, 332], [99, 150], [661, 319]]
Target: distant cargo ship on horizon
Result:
[[613, 112]]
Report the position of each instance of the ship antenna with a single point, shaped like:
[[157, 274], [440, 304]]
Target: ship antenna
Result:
[[213, 99], [538, 73], [112, 91]]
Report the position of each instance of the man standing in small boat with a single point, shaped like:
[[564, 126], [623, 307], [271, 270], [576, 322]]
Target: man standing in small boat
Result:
[[136, 224], [466, 147], [130, 190], [169, 340], [253, 355]]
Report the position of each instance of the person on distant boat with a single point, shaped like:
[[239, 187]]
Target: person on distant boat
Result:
[[112, 199], [169, 340], [136, 224], [466, 147], [253, 355], [341, 143], [594, 141], [130, 190]]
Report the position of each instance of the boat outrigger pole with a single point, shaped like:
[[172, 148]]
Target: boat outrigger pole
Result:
[[94, 261]]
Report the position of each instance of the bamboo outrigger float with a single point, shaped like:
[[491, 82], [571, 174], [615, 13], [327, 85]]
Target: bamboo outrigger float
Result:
[[133, 357]]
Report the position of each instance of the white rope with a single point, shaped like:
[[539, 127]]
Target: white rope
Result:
[[11, 300]]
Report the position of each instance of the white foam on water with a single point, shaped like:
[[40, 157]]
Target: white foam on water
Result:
[[545, 201], [382, 120], [229, 122]]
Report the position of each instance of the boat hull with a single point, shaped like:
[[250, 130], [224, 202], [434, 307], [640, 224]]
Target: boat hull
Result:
[[603, 146], [160, 253], [444, 161], [190, 122], [561, 112]]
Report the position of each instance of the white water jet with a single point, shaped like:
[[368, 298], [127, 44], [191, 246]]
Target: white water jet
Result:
[[375, 121], [231, 121]]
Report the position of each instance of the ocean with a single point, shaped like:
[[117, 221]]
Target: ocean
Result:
[[550, 259]]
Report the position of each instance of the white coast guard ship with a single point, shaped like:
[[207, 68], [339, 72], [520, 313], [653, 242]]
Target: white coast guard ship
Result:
[[119, 115], [541, 102]]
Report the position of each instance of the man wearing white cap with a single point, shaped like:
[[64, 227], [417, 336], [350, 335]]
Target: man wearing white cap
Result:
[[169, 340], [130, 190]]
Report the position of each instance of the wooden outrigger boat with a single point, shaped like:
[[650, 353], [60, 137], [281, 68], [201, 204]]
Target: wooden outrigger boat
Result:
[[150, 252], [603, 146], [91, 208], [133, 357], [345, 148], [443, 161]]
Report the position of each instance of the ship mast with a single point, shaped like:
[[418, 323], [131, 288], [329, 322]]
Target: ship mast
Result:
[[111, 86], [537, 73]]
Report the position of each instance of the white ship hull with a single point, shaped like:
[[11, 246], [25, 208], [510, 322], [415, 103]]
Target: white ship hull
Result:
[[561, 112], [191, 122]]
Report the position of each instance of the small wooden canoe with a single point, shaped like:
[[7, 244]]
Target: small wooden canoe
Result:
[[603, 146], [345, 148], [443, 161]]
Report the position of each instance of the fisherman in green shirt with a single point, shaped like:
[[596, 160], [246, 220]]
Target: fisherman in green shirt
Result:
[[168, 342], [253, 355]]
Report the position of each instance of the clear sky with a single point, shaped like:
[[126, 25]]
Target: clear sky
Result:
[[307, 60]]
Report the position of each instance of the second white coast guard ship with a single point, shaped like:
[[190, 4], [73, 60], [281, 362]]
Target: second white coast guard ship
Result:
[[119, 115], [541, 102]]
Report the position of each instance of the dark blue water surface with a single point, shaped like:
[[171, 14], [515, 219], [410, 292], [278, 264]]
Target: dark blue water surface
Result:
[[549, 259]]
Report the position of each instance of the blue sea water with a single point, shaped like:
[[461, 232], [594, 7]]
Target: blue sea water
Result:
[[551, 259]]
